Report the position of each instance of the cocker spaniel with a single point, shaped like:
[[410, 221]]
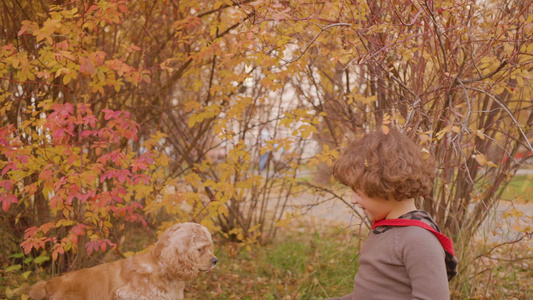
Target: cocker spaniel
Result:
[[179, 255]]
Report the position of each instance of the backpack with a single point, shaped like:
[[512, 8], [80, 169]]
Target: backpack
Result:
[[450, 259]]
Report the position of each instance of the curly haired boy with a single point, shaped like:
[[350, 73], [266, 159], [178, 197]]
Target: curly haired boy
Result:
[[404, 256]]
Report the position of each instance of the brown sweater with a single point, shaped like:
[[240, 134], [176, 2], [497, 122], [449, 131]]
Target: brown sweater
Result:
[[401, 263]]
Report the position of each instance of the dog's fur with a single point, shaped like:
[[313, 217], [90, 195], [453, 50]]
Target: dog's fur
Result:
[[179, 255]]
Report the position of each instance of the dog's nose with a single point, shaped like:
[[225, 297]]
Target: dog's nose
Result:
[[214, 260]]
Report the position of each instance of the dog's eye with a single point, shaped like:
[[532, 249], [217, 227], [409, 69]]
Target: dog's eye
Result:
[[200, 250]]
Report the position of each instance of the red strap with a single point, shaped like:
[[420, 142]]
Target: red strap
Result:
[[444, 240]]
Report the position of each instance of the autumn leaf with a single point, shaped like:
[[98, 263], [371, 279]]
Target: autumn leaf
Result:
[[480, 158], [7, 199]]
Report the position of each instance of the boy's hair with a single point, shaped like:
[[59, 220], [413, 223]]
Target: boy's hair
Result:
[[388, 166]]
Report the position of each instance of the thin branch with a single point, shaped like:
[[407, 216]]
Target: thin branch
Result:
[[308, 184], [223, 7], [502, 64], [503, 244], [506, 109], [360, 60], [509, 259], [439, 39], [400, 18], [316, 37]]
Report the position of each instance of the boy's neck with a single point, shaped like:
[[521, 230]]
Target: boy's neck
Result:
[[401, 208]]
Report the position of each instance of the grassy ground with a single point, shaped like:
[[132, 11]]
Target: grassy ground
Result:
[[489, 271], [305, 264], [310, 260], [520, 189], [318, 265]]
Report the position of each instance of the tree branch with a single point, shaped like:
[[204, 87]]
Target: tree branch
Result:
[[502, 64], [316, 37], [506, 109]]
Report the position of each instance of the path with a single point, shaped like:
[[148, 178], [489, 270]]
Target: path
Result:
[[336, 212]]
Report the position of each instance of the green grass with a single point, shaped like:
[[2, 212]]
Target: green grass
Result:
[[520, 188], [303, 263], [315, 261], [299, 266]]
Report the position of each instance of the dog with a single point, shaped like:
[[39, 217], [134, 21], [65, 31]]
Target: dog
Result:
[[183, 251]]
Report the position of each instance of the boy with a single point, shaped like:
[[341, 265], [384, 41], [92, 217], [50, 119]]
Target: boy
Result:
[[386, 173]]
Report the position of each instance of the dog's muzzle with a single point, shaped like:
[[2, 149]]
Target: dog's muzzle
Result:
[[214, 261]]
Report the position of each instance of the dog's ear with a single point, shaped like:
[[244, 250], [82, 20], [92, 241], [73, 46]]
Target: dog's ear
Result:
[[175, 250], [164, 240]]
